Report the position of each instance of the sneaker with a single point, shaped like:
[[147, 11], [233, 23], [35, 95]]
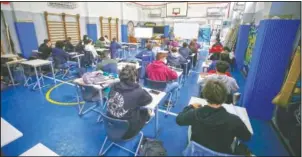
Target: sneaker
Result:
[[151, 114]]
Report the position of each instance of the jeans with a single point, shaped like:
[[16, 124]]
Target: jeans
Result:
[[171, 87]]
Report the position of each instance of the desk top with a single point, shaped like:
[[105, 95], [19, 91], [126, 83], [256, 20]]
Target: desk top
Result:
[[156, 98], [236, 110], [72, 53], [101, 49], [16, 61], [8, 133], [36, 62], [9, 56]]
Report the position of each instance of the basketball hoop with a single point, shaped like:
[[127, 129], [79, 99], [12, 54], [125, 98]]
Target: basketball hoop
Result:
[[176, 11]]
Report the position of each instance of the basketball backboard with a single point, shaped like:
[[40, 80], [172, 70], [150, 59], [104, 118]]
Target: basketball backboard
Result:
[[177, 9]]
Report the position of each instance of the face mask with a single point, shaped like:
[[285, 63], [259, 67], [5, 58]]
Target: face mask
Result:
[[165, 61]]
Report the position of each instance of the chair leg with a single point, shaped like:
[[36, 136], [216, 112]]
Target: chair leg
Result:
[[169, 104], [101, 153]]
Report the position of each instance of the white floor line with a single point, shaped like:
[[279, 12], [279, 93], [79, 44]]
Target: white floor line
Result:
[[59, 80], [39, 150], [8, 133]]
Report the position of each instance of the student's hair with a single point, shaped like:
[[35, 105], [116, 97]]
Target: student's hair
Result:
[[227, 49], [102, 39], [222, 66], [185, 45], [149, 46], [128, 74], [106, 36], [87, 41], [69, 38], [160, 56], [215, 92], [114, 39], [85, 37], [46, 41], [59, 44], [174, 49], [224, 57]]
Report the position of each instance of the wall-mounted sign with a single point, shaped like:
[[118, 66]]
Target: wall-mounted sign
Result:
[[150, 24], [66, 5]]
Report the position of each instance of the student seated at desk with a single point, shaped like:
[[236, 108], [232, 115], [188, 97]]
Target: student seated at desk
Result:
[[107, 41], [89, 47], [45, 49], [61, 57], [216, 49], [146, 55], [159, 71], [68, 45], [230, 83], [223, 57], [100, 43], [126, 99], [107, 65], [175, 59], [211, 125], [194, 50], [185, 51]]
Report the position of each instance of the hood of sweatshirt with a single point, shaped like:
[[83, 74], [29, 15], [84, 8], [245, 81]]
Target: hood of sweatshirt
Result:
[[211, 116]]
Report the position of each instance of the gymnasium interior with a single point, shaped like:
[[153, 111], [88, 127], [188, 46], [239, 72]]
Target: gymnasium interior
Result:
[[43, 109]]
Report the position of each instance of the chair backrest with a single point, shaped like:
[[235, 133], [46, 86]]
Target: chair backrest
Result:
[[89, 93], [195, 149], [110, 68], [87, 59], [157, 85], [115, 128]]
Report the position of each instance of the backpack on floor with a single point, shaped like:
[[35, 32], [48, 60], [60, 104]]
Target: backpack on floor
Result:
[[152, 147]]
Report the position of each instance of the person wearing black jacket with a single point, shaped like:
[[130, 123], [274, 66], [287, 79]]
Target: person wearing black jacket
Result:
[[45, 49], [212, 126], [126, 99], [68, 45]]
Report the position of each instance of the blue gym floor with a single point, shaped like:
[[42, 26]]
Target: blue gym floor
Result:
[[60, 128]]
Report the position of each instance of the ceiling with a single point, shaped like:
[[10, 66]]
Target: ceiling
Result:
[[150, 3]]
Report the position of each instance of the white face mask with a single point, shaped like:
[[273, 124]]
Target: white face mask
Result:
[[165, 61]]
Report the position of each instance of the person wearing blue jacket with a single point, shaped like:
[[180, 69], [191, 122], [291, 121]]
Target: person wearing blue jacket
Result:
[[175, 59], [147, 56], [185, 51], [61, 57], [114, 46]]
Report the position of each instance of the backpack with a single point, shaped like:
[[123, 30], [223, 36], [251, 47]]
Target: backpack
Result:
[[152, 147]]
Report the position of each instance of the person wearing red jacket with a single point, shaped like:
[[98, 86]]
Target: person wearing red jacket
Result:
[[159, 71], [216, 49]]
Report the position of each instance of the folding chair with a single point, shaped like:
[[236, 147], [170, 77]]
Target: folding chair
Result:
[[62, 68], [195, 149], [161, 86], [90, 94], [115, 130]]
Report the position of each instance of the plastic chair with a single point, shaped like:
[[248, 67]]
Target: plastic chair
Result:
[[61, 68], [110, 68], [195, 149], [91, 94], [161, 86], [115, 130]]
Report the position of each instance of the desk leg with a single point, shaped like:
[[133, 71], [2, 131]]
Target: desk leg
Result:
[[137, 49], [10, 74], [53, 73], [156, 121], [37, 76], [79, 62]]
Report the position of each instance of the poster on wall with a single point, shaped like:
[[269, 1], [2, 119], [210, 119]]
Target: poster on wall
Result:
[[204, 34], [250, 48]]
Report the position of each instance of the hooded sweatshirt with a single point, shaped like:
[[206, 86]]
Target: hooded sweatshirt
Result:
[[213, 128], [125, 102], [158, 71]]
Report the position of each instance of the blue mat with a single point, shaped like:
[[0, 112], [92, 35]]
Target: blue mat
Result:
[[271, 57], [242, 43]]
